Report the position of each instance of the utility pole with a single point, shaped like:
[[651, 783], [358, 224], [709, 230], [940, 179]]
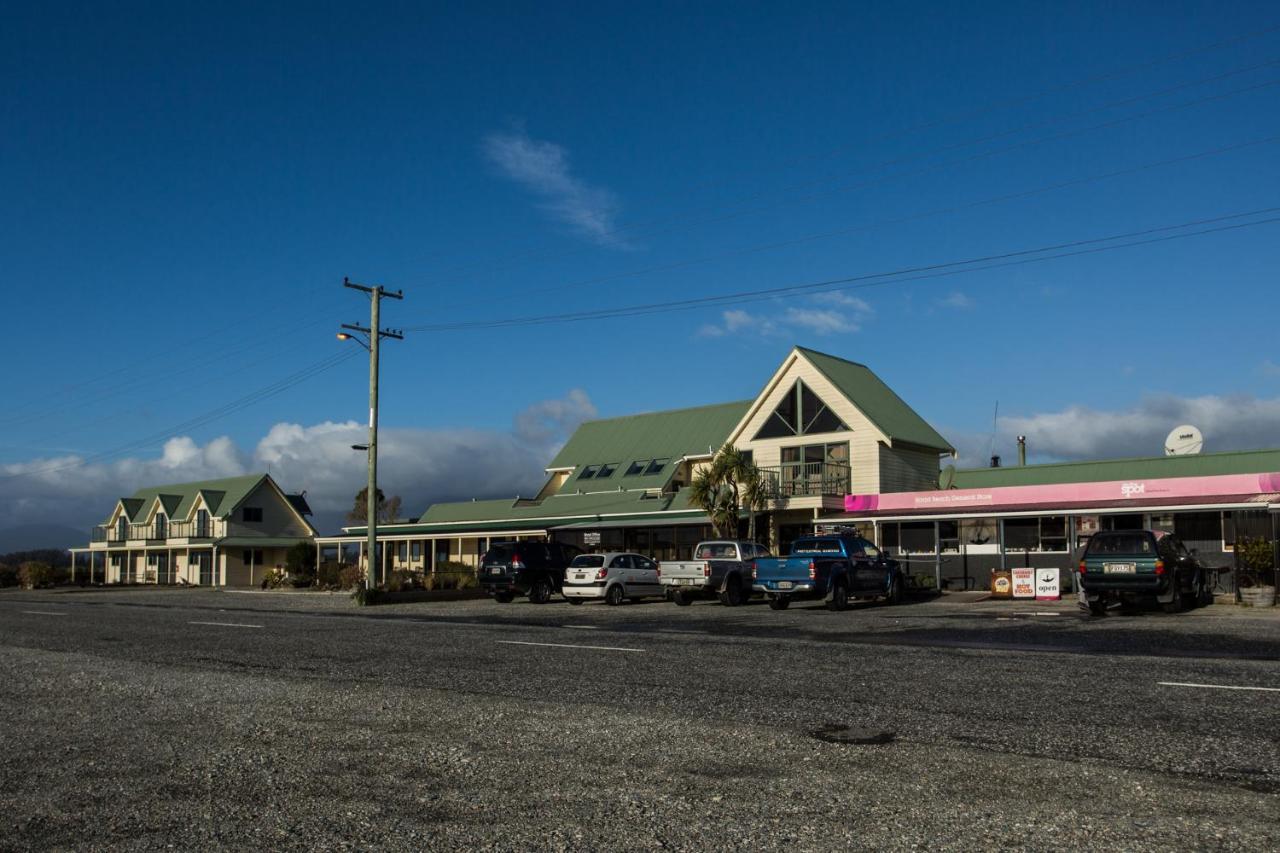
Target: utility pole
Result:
[[375, 334]]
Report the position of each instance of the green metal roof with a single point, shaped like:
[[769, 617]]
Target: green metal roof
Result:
[[554, 511], [891, 415], [1136, 468], [262, 541], [641, 438], [180, 496]]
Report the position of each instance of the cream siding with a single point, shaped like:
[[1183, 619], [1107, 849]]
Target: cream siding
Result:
[[904, 470], [278, 517], [863, 437]]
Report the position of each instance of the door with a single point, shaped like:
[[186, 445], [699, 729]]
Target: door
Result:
[[205, 564], [646, 572], [868, 567], [620, 570]]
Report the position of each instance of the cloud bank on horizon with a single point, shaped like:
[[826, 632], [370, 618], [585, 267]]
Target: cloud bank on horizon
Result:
[[422, 466]]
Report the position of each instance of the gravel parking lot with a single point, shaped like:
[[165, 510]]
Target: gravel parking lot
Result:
[[182, 718]]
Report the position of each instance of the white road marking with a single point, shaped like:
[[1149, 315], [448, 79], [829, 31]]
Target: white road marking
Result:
[[42, 613], [566, 646], [226, 624], [1217, 686], [582, 627]]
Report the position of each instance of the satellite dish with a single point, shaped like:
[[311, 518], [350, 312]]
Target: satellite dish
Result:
[[1185, 440], [947, 477]]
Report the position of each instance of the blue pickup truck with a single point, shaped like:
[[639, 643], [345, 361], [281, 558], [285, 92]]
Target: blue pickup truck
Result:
[[832, 568]]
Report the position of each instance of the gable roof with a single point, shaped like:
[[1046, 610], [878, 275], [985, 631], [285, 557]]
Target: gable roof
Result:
[[890, 414], [232, 491], [655, 435], [1132, 468]]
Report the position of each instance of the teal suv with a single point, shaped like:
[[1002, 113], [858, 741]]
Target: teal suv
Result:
[[1125, 566]]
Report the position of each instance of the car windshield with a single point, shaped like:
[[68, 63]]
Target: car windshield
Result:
[[1134, 542], [587, 561]]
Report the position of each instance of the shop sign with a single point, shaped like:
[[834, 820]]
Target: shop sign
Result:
[[591, 538], [1047, 586], [1024, 583], [1001, 584]]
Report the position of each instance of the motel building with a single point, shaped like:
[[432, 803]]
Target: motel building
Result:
[[225, 532], [839, 448]]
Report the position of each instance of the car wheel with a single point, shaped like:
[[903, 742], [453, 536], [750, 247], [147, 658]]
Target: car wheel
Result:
[[503, 597], [541, 591], [779, 602], [1174, 606], [839, 598], [681, 598], [1195, 597], [574, 600], [615, 595], [1098, 608], [894, 596], [732, 595]]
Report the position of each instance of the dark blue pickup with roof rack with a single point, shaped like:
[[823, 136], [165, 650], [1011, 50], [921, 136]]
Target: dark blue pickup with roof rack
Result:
[[835, 569]]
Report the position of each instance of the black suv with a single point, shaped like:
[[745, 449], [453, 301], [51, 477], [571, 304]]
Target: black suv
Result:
[[535, 569], [1128, 565]]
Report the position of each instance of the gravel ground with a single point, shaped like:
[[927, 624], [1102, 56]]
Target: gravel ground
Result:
[[442, 726]]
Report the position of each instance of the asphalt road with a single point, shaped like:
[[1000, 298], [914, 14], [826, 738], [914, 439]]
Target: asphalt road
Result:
[[188, 719]]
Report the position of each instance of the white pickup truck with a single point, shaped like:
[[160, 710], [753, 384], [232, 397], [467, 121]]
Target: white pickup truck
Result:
[[719, 567]]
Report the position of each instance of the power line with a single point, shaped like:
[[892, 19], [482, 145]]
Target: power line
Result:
[[243, 402], [874, 279], [687, 217], [839, 232]]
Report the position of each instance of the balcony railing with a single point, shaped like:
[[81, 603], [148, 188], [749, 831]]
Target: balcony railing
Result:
[[806, 479], [110, 533]]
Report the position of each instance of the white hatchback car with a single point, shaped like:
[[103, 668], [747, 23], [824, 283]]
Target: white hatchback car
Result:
[[615, 577]]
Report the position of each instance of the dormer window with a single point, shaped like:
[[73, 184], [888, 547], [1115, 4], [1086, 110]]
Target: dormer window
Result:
[[636, 468], [606, 470], [162, 526], [589, 472], [122, 528], [656, 466]]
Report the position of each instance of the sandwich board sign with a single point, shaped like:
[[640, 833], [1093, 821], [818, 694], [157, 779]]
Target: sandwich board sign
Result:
[[1047, 585], [1024, 583]]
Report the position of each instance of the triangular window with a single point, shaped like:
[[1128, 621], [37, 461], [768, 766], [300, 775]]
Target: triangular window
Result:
[[800, 412]]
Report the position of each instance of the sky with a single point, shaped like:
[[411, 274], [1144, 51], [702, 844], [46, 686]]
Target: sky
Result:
[[187, 185]]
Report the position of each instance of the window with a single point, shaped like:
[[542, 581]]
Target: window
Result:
[[162, 526], [202, 522], [1045, 533], [588, 472], [402, 552], [622, 561], [252, 557], [416, 550], [252, 514], [656, 466], [636, 468], [949, 536], [606, 470], [800, 412]]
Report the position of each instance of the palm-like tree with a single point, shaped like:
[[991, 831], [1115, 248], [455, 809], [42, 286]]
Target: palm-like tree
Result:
[[724, 487]]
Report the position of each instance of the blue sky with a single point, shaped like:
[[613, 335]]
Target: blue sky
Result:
[[187, 185]]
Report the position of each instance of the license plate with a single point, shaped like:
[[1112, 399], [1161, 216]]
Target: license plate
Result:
[[688, 582], [495, 570], [784, 584], [579, 577], [1119, 568]]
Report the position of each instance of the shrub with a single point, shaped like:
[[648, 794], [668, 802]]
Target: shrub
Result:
[[401, 579], [350, 577], [35, 574], [300, 563], [8, 575], [273, 579], [329, 575], [1257, 560]]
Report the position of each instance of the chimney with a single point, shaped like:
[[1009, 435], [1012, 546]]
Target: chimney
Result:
[[1022, 450]]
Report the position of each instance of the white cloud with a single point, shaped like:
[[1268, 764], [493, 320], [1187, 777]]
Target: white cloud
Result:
[[820, 322], [543, 169], [846, 318], [1228, 423], [956, 300], [422, 466]]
